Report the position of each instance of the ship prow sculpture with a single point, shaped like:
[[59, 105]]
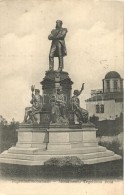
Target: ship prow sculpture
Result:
[[55, 125]]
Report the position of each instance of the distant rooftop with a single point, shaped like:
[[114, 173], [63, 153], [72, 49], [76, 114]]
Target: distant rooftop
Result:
[[112, 74], [106, 96], [96, 91]]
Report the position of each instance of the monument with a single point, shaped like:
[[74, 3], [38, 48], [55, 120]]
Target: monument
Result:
[[55, 125]]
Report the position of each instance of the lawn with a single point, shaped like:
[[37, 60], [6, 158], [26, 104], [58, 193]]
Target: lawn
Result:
[[108, 171]]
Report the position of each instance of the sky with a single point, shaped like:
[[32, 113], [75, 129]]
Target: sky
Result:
[[94, 45]]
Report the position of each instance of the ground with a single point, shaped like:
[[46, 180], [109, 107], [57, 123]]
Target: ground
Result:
[[108, 171]]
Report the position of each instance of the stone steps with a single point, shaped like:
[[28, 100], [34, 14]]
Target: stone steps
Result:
[[21, 162], [29, 151], [93, 157], [96, 155], [38, 163], [47, 156], [102, 159]]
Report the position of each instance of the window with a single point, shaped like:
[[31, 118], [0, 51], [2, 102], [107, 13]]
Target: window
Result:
[[121, 85], [99, 108], [102, 108], [108, 85], [115, 85]]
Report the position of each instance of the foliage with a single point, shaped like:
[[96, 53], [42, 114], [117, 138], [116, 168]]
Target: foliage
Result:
[[8, 134], [64, 161], [108, 127], [114, 143]]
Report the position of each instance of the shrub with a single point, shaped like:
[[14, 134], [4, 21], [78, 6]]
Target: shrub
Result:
[[64, 161], [114, 143], [108, 127]]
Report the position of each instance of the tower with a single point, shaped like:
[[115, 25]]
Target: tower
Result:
[[112, 82]]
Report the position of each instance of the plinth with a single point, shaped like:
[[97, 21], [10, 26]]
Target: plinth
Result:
[[54, 80], [37, 144]]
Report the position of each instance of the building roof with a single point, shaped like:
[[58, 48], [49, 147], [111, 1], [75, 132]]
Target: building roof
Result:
[[118, 97], [112, 74]]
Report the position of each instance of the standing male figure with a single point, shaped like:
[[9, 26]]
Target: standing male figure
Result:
[[58, 48]]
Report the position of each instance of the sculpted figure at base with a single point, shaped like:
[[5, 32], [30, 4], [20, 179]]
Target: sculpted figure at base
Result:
[[58, 48], [60, 102], [81, 114], [37, 102], [58, 106]]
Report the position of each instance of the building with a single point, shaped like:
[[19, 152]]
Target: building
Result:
[[107, 103]]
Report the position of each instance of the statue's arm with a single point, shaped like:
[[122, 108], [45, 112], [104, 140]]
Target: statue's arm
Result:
[[52, 36], [82, 88], [33, 97], [62, 34], [62, 100]]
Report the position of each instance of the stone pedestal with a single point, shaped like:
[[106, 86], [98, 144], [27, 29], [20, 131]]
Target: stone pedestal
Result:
[[37, 144], [30, 136], [65, 138], [52, 81]]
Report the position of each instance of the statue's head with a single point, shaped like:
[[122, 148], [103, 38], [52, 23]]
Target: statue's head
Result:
[[59, 91], [76, 92], [37, 91], [58, 24]]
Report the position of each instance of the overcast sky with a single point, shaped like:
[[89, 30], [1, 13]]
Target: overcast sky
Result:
[[94, 45]]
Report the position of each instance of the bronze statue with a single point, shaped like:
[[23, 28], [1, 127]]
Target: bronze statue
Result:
[[82, 114], [58, 48], [37, 102], [58, 106], [60, 102]]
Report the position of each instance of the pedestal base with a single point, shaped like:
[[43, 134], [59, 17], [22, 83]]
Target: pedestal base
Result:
[[37, 144]]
